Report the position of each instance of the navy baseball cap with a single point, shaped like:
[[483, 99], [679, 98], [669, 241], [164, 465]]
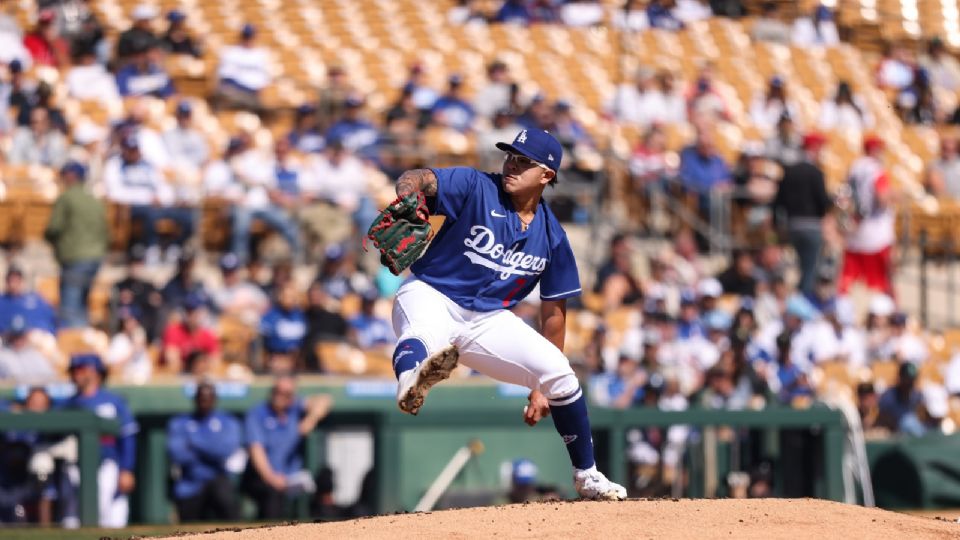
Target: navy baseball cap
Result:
[[524, 472], [194, 300], [248, 31], [74, 167], [538, 145], [176, 15], [229, 262], [93, 360], [18, 326], [130, 141], [184, 108]]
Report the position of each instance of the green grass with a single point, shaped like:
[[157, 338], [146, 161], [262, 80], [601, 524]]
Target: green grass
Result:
[[137, 531]]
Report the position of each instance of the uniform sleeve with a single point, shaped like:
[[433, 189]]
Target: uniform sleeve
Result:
[[454, 185], [254, 430], [178, 444], [560, 278], [127, 438]]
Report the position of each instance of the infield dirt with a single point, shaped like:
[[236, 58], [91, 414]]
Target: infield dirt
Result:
[[793, 519]]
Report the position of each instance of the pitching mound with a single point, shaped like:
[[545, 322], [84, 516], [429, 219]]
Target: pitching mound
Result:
[[792, 519]]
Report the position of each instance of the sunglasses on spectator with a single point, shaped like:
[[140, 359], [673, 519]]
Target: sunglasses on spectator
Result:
[[522, 161]]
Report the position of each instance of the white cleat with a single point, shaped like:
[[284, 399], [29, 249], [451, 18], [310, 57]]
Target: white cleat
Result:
[[414, 384], [593, 485]]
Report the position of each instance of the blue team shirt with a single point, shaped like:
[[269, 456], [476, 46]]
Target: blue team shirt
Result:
[[280, 439], [154, 82], [200, 447], [120, 448], [372, 330], [481, 258], [36, 312], [283, 331]]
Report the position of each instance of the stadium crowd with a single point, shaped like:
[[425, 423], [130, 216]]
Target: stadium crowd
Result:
[[670, 333]]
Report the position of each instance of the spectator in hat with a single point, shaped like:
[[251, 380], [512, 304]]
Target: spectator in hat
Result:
[[143, 75], [40, 143], [128, 353], [766, 110], [118, 453], [353, 131], [188, 335], [306, 135], [204, 445], [80, 25], [786, 145], [846, 110], [423, 95], [184, 283], [237, 296], [138, 37], [20, 362], [451, 109], [367, 329], [903, 345], [77, 230], [138, 294], [513, 12], [185, 144], [44, 43], [177, 40], [89, 80], [869, 240], [17, 299], [284, 328], [523, 481], [801, 205], [901, 400], [243, 72], [339, 275], [661, 17]]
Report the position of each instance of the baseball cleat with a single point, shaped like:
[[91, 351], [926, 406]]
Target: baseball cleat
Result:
[[415, 383], [592, 484]]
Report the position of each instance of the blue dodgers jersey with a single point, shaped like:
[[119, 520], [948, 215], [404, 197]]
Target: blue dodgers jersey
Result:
[[120, 448], [481, 258]]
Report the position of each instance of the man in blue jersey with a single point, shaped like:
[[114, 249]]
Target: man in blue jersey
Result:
[[202, 444], [118, 452], [498, 242]]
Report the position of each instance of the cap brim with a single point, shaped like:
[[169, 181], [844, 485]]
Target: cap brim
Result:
[[507, 147]]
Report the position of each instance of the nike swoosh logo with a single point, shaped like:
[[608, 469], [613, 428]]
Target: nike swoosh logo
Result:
[[495, 214]]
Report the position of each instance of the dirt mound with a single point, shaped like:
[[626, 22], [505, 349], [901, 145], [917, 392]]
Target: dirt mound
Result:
[[695, 519]]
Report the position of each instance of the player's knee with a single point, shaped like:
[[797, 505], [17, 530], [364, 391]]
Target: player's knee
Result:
[[560, 386]]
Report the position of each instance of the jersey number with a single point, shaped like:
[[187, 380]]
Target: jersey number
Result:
[[513, 292]]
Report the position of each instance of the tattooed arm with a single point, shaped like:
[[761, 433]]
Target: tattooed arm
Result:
[[417, 180]]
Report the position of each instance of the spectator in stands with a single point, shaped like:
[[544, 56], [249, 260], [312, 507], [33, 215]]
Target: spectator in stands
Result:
[[466, 12], [845, 110], [404, 109], [185, 282], [451, 109], [118, 453], [337, 183], [274, 435], [702, 169], [786, 145], [839, 340], [323, 324], [538, 114], [943, 174], [306, 135], [38, 144], [18, 300], [284, 328], [495, 95], [638, 103], [143, 75], [244, 71], [185, 144], [738, 278], [138, 37], [202, 445], [917, 104], [867, 254], [877, 327], [941, 66], [177, 40], [128, 353], [631, 17], [367, 329], [355, 132], [80, 25], [42, 98], [132, 181], [900, 401], [800, 206], [615, 278], [501, 126], [816, 30], [188, 335], [513, 12], [138, 123], [868, 405], [927, 419], [89, 80], [77, 230], [576, 13], [769, 26], [139, 294], [689, 11], [766, 110], [332, 97], [339, 275], [238, 297], [20, 362], [705, 103], [661, 17], [44, 43], [423, 95], [897, 67]]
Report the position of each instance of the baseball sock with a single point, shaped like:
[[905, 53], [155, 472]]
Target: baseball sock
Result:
[[572, 423], [408, 354]]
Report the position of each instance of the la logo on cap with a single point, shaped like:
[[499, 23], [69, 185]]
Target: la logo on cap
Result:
[[522, 137]]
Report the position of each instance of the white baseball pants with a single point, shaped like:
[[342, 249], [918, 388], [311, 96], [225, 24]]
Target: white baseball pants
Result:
[[114, 507], [495, 343]]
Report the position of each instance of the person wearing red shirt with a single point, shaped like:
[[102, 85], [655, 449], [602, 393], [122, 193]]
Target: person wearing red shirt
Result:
[[190, 340], [44, 43]]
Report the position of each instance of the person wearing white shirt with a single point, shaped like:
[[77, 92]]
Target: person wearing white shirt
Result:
[[336, 182], [631, 17], [90, 81], [127, 352], [845, 110], [766, 110], [244, 71], [188, 152], [689, 11], [496, 95], [582, 13]]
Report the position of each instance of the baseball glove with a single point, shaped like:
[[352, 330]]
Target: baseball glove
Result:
[[401, 232]]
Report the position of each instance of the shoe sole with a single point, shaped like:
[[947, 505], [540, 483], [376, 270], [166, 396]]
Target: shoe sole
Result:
[[433, 370]]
